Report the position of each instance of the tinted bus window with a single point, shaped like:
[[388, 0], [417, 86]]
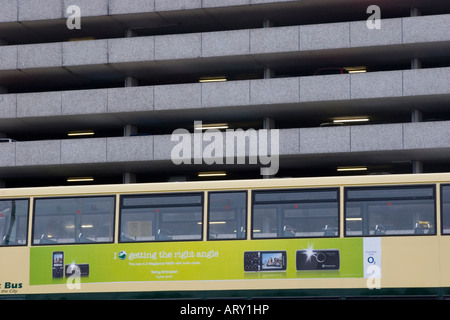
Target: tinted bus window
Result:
[[161, 217], [227, 215], [295, 213], [396, 210], [445, 209], [73, 220], [13, 222]]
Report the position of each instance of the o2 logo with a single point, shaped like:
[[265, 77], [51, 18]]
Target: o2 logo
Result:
[[374, 274]]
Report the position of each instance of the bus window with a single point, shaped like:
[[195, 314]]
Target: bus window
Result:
[[73, 220], [445, 208], [161, 217], [393, 210], [295, 213], [227, 215], [13, 222]]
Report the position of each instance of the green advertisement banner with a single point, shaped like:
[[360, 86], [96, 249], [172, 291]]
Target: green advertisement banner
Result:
[[205, 260]]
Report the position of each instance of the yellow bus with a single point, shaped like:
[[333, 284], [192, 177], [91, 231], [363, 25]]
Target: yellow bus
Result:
[[329, 237]]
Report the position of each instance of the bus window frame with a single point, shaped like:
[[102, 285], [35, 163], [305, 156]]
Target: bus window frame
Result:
[[400, 186], [114, 196], [441, 204], [174, 194], [287, 190], [28, 222], [245, 218]]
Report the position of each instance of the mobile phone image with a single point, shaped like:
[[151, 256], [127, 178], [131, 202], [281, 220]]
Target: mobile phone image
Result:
[[317, 260], [265, 261], [58, 264]]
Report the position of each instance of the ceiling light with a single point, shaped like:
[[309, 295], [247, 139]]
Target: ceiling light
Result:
[[211, 126], [351, 168], [213, 79], [81, 133], [80, 179], [351, 120], [214, 222], [212, 174], [356, 69]]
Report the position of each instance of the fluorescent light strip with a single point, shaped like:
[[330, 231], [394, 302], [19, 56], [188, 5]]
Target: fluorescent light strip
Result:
[[351, 120], [212, 126], [352, 169], [214, 222], [80, 179], [81, 133], [359, 69], [212, 174], [353, 219], [83, 226], [212, 79]]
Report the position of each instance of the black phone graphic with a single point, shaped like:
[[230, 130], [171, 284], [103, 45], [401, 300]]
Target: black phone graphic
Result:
[[317, 260], [58, 264], [81, 270], [265, 261]]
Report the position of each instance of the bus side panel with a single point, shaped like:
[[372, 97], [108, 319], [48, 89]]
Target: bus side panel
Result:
[[14, 270], [411, 262]]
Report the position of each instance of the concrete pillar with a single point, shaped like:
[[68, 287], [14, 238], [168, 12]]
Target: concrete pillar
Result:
[[268, 123], [130, 33], [268, 73], [131, 82], [416, 115], [267, 23], [129, 130], [415, 12], [417, 166], [129, 177], [416, 63]]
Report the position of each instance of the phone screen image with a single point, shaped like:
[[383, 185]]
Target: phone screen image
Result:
[[272, 261], [264, 260]]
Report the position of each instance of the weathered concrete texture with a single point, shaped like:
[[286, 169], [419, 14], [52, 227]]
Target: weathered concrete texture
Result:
[[40, 10], [80, 53], [426, 28], [325, 140], [269, 40], [83, 151], [376, 137], [176, 97], [124, 149], [32, 153], [284, 90], [225, 43], [39, 104], [325, 36], [39, 55], [219, 94]]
